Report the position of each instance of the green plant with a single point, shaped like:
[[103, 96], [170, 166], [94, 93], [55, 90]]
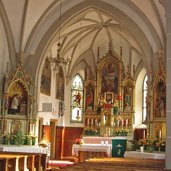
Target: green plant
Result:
[[5, 139], [90, 131]]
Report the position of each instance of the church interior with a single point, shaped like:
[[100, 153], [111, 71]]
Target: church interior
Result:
[[85, 79]]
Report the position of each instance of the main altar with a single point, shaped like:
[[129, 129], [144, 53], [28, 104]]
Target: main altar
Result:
[[109, 99]]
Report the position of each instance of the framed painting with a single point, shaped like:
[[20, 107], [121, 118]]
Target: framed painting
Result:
[[159, 99], [109, 97], [89, 96], [110, 80], [15, 127], [45, 86]]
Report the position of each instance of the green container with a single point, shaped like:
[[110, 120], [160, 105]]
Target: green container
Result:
[[118, 147]]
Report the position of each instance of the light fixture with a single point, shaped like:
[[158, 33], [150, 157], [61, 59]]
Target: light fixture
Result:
[[58, 60]]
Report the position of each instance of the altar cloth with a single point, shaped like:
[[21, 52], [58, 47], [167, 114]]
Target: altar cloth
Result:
[[93, 148], [144, 155], [22, 149]]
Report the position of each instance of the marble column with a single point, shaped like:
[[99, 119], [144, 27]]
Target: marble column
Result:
[[168, 84]]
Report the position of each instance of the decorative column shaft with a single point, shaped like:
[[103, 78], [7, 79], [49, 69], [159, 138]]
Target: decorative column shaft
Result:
[[168, 84]]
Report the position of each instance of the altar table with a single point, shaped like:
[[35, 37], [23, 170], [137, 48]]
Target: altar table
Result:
[[82, 149], [144, 155]]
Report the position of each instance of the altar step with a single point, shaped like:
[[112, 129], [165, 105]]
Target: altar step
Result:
[[117, 164], [70, 158], [57, 164]]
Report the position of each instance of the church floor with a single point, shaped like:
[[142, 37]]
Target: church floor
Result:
[[115, 164]]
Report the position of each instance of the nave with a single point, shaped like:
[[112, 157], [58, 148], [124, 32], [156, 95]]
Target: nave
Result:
[[114, 164]]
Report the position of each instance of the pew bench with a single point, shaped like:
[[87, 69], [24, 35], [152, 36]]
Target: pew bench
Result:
[[14, 161]]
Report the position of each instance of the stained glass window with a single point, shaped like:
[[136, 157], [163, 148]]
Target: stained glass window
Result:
[[77, 98], [144, 103]]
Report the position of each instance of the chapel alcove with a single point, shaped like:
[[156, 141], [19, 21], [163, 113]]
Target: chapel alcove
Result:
[[17, 104], [157, 118]]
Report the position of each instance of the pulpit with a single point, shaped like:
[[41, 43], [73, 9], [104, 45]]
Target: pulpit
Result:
[[119, 146]]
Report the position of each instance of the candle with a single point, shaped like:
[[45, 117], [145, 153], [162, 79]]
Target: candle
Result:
[[122, 122], [92, 123], [144, 134], [88, 122], [126, 122], [9, 129], [160, 134]]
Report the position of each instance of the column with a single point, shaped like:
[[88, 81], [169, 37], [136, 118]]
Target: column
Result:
[[168, 84]]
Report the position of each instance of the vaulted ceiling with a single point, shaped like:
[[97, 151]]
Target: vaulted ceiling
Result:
[[85, 27]]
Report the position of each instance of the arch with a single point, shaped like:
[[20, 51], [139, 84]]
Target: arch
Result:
[[40, 48], [9, 37]]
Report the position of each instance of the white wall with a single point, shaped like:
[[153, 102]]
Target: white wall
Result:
[[138, 98]]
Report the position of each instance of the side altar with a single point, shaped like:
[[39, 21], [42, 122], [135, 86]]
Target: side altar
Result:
[[17, 117], [109, 99]]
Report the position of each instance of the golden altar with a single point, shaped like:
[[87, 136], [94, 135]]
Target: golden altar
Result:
[[109, 98]]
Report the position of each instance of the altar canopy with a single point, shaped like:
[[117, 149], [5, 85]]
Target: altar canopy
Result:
[[111, 110]]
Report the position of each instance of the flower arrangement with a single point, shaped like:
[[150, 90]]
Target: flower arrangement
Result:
[[121, 131], [79, 141], [150, 144], [107, 105], [90, 131]]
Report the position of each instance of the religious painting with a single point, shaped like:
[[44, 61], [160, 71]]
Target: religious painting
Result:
[[89, 97], [15, 127], [60, 85], [160, 100], [127, 98], [109, 97], [17, 99], [109, 74], [45, 86]]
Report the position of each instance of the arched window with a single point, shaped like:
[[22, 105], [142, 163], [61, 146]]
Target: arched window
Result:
[[77, 99], [144, 104]]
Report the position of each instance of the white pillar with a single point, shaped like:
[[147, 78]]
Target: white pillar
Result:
[[168, 84]]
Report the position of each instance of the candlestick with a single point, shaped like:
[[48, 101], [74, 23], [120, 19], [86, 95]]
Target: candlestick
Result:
[[160, 134]]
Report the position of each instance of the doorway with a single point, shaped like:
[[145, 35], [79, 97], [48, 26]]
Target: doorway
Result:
[[53, 124], [40, 136]]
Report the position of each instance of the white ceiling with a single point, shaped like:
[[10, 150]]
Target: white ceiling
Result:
[[136, 25]]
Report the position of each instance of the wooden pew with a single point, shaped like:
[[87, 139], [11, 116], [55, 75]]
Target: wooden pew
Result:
[[8, 163], [23, 161]]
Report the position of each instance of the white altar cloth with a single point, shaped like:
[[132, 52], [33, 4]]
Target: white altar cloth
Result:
[[144, 155], [98, 140], [22, 149], [93, 148]]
